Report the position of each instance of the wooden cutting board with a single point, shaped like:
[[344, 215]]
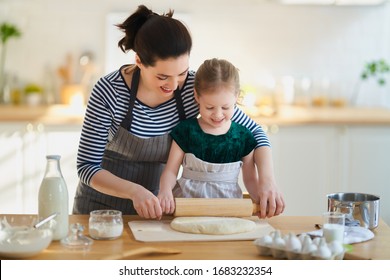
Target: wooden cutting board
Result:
[[160, 231]]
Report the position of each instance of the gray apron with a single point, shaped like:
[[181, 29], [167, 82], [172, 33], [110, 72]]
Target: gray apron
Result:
[[201, 179], [139, 160]]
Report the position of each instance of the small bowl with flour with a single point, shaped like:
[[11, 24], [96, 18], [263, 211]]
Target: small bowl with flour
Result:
[[105, 224]]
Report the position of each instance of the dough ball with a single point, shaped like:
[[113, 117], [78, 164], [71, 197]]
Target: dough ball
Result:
[[212, 225]]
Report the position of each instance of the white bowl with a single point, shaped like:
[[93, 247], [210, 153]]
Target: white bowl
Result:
[[18, 239]]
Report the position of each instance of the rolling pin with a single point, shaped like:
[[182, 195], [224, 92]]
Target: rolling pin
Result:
[[217, 207]]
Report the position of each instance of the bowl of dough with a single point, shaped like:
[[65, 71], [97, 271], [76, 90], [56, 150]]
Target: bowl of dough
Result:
[[302, 247], [19, 239]]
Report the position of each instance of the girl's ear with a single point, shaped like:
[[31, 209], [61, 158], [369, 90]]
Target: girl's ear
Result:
[[196, 96], [239, 96]]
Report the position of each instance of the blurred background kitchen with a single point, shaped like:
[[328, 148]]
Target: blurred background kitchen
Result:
[[314, 73]]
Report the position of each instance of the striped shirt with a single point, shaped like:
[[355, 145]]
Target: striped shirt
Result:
[[108, 106]]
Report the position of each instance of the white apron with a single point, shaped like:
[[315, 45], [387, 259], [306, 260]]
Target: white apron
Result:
[[201, 179]]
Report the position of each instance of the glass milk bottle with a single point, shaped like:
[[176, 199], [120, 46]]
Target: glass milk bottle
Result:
[[53, 197]]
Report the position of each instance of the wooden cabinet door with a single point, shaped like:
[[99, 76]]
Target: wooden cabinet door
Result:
[[367, 168], [64, 141], [11, 168], [23, 162], [306, 165]]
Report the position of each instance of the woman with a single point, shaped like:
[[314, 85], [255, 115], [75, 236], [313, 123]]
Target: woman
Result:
[[125, 140]]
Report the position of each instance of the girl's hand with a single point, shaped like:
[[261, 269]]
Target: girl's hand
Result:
[[266, 193], [271, 201], [167, 202]]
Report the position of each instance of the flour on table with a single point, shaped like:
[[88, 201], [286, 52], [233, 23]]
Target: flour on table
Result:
[[212, 225]]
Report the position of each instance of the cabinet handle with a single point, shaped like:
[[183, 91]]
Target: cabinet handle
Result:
[[29, 127], [38, 128]]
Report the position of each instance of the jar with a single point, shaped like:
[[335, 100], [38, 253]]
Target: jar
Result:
[[105, 224]]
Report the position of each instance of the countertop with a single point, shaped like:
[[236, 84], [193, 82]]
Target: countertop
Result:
[[300, 115], [376, 248], [54, 114], [286, 115]]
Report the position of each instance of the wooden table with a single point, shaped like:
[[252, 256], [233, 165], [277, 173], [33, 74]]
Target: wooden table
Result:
[[377, 248]]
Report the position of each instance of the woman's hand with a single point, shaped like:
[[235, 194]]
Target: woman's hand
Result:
[[147, 204]]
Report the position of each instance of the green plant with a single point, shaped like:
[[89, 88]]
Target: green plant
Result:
[[8, 31], [377, 69], [32, 88]]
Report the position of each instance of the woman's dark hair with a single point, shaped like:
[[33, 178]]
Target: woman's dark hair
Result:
[[154, 36]]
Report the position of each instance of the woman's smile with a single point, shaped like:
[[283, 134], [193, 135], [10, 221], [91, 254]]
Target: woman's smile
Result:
[[166, 90]]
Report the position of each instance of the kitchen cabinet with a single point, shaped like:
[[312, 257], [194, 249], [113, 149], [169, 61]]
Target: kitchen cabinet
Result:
[[23, 161], [312, 161], [367, 163], [304, 161], [11, 168]]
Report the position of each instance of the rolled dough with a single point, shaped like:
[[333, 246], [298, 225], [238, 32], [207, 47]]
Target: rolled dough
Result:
[[212, 225]]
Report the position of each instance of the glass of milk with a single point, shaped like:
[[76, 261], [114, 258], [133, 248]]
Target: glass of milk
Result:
[[333, 226]]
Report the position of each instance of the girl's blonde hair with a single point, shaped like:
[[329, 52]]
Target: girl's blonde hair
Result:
[[215, 73]]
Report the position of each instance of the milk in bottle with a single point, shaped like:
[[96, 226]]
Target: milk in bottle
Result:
[[53, 197]]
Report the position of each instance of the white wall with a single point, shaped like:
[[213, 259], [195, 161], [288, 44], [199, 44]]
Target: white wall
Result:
[[261, 37]]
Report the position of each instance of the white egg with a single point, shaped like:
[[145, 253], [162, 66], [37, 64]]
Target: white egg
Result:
[[293, 243], [308, 246], [278, 241], [3, 235], [336, 247], [265, 240], [323, 250], [317, 240], [302, 237]]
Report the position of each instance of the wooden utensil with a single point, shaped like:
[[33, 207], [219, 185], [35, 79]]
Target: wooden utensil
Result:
[[141, 251], [218, 207]]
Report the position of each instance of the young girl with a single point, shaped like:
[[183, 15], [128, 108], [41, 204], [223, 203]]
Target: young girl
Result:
[[210, 148]]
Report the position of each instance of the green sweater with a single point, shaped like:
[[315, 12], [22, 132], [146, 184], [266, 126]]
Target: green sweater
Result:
[[229, 147]]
